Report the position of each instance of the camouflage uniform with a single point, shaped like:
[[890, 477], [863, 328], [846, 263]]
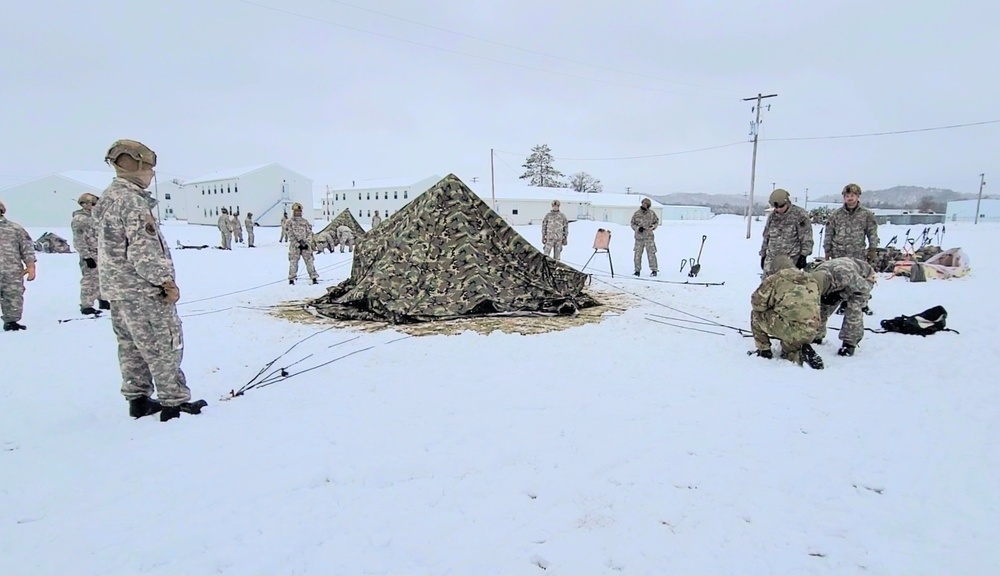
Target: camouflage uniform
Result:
[[345, 237], [844, 280], [785, 306], [846, 232], [300, 232], [644, 240], [555, 232], [284, 228], [790, 234], [249, 224], [135, 266], [237, 229], [17, 253], [226, 229], [376, 220], [84, 228]]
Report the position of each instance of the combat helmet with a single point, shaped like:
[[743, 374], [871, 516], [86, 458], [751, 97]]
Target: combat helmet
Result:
[[3, 209], [296, 206], [87, 197], [851, 189], [137, 150], [779, 196]]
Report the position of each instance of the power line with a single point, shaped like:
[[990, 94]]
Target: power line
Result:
[[528, 50], [638, 157], [931, 129], [459, 52]]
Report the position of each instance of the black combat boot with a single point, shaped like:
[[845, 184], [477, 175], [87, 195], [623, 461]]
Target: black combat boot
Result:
[[653, 273], [846, 350], [315, 280], [762, 353], [144, 406], [291, 281], [810, 357], [104, 305], [171, 412], [817, 341], [11, 326], [89, 310], [636, 273]]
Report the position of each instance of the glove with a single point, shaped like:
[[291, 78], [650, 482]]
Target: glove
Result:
[[641, 229], [171, 293], [762, 262], [303, 245], [800, 263], [91, 263], [831, 299], [872, 255], [564, 242], [29, 271]]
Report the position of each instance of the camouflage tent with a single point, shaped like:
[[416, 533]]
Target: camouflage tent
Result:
[[345, 218], [447, 255], [52, 244]]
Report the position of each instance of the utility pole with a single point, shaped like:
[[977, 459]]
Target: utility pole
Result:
[[982, 182], [806, 207], [475, 179], [754, 129], [773, 184], [628, 189], [493, 183]]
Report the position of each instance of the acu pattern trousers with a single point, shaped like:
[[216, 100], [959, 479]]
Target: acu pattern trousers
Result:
[[11, 297], [792, 334], [852, 330], [294, 253], [150, 349], [554, 250], [90, 286], [650, 246]]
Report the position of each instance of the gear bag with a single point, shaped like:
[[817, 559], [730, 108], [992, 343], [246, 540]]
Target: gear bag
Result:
[[924, 324]]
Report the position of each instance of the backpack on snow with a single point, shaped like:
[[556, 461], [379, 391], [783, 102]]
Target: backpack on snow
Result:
[[924, 324]]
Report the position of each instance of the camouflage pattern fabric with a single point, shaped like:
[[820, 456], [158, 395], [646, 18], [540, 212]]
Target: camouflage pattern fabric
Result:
[[300, 230], [846, 232], [226, 229], [790, 234], [345, 237], [249, 225], [345, 218], [135, 264], [237, 228], [555, 233], [785, 306], [645, 240], [84, 228], [284, 229], [16, 252], [150, 349], [50, 243], [448, 255], [849, 277]]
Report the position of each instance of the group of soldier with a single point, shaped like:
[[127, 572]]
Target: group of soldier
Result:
[[796, 298], [232, 231], [555, 234], [126, 267]]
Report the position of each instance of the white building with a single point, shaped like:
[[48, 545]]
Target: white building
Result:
[[50, 201], [521, 205], [965, 210], [172, 200], [363, 198], [267, 191]]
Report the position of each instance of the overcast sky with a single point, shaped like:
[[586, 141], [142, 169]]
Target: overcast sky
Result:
[[369, 89]]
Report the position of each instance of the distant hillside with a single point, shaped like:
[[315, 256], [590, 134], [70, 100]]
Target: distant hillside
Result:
[[903, 196], [896, 197]]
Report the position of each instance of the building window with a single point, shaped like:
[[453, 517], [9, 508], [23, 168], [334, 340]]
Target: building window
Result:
[[236, 188], [404, 194], [237, 208], [166, 196], [369, 196], [202, 191], [204, 210], [216, 210], [514, 211], [370, 212], [395, 195], [360, 213], [359, 195], [376, 195]]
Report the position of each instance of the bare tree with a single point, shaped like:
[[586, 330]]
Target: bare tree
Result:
[[583, 182]]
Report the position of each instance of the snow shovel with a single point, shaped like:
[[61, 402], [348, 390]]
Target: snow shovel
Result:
[[696, 267]]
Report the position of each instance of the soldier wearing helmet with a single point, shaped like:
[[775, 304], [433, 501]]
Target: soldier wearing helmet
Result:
[[788, 231], [644, 222], [226, 229], [850, 227], [555, 231], [17, 261], [137, 277], [250, 224], [84, 228], [300, 238]]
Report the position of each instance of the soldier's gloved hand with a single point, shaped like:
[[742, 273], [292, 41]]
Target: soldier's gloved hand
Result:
[[90, 262], [171, 293], [303, 245], [800, 263], [564, 242], [831, 299], [642, 229]]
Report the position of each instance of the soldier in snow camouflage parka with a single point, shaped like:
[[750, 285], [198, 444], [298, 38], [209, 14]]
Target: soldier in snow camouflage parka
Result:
[[849, 227], [846, 281], [788, 231], [555, 231], [84, 228], [17, 260]]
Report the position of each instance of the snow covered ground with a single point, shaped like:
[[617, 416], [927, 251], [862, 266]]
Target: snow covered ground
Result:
[[626, 446]]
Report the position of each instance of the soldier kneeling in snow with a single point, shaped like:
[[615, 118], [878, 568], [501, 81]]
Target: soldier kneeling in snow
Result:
[[846, 282], [786, 307]]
